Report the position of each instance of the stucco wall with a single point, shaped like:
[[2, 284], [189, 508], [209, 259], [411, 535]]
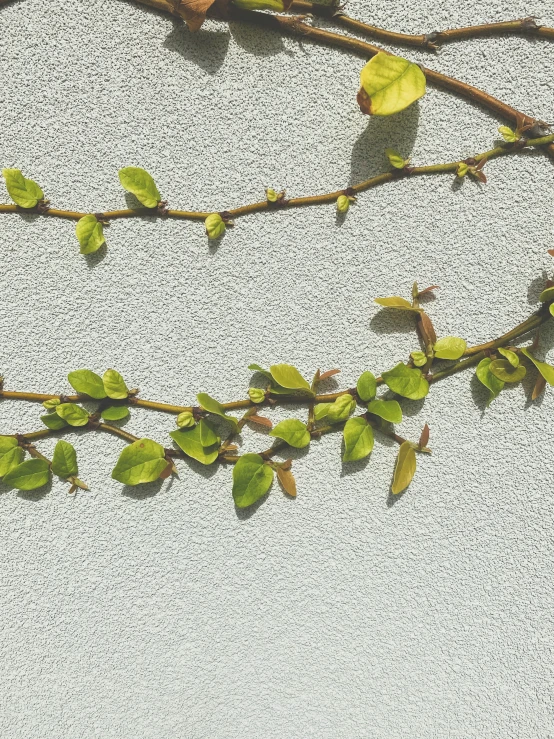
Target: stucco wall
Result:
[[161, 612]]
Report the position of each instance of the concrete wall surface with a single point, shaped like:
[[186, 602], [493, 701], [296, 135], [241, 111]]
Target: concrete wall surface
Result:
[[161, 611]]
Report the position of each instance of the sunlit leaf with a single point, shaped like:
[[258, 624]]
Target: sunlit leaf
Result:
[[388, 410], [396, 302], [10, 459], [511, 356], [337, 411], [140, 462], [486, 378], [389, 84], [289, 377], [252, 479], [90, 234], [358, 439], [64, 459], [114, 385], [503, 370], [546, 370], [508, 134], [547, 295], [53, 421], [366, 387], [199, 442], [450, 347], [115, 413], [212, 406], [396, 159], [405, 468], [138, 182], [406, 381], [25, 193], [293, 431], [7, 443], [29, 475], [419, 358], [87, 382], [72, 414]]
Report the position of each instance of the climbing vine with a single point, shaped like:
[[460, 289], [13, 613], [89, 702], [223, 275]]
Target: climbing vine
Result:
[[208, 431]]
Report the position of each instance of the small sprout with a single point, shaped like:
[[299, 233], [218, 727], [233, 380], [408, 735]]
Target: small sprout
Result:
[[271, 195], [396, 159], [509, 135], [215, 226], [185, 420], [344, 202], [51, 404], [256, 395], [418, 358], [462, 170]]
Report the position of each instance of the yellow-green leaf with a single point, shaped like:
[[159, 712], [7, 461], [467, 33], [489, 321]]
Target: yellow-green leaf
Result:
[[140, 462], [388, 410], [114, 385], [289, 377], [29, 475], [72, 414], [502, 369], [407, 382], [213, 406], [405, 468], [419, 358], [396, 159], [12, 458], [90, 234], [87, 382], [451, 347], [547, 295], [389, 84], [486, 378], [366, 387], [252, 479], [358, 439], [53, 421], [508, 134], [396, 302], [115, 413], [25, 193], [64, 459], [7, 443], [337, 411], [293, 431], [546, 370], [141, 184], [199, 442], [511, 356]]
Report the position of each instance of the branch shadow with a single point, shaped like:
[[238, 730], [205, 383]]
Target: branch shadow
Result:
[[256, 41], [206, 49], [368, 153]]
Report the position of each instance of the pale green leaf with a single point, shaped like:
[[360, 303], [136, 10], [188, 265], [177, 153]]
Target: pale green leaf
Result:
[[366, 386], [7, 443], [11, 459], [546, 370], [64, 459], [405, 468], [293, 431], [87, 382], [213, 406], [358, 439], [29, 475], [137, 181], [252, 479], [90, 234], [547, 295], [388, 410], [337, 411], [396, 302], [396, 159], [114, 385], [53, 421], [289, 377], [508, 134], [406, 381], [389, 84], [511, 356], [25, 193], [503, 370], [115, 413], [142, 461], [419, 358], [72, 414], [486, 378], [200, 442], [451, 347]]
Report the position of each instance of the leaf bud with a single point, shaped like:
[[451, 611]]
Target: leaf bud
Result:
[[215, 226], [185, 420], [256, 395], [51, 404], [344, 202]]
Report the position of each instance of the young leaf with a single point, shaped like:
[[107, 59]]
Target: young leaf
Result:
[[486, 378], [200, 442], [72, 414], [396, 159], [503, 370], [508, 134], [64, 460], [366, 387], [115, 413], [53, 421], [389, 84], [419, 358], [212, 406], [396, 302], [25, 193], [142, 461], [12, 458], [29, 475], [547, 295], [405, 468], [138, 182], [90, 234], [450, 348], [87, 382], [289, 377], [337, 411], [288, 483], [407, 382], [388, 410], [293, 431], [546, 370], [7, 443], [358, 439], [114, 385], [511, 356], [252, 478], [275, 388]]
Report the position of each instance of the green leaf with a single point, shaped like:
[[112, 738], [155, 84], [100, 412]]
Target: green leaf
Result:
[[486, 378], [87, 382], [11, 459], [396, 159], [115, 413], [212, 406], [366, 386], [420, 358], [252, 478], [407, 382], [142, 461], [25, 193], [137, 181], [547, 295], [511, 356], [546, 370], [293, 431], [114, 385], [64, 460], [289, 377], [396, 302], [90, 234], [388, 410], [358, 439], [200, 442], [551, 309], [73, 414], [451, 347], [7, 443], [405, 468], [274, 387], [29, 475], [337, 411], [502, 369], [389, 84], [508, 134], [53, 421]]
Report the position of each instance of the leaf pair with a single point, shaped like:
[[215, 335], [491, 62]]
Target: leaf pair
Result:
[[283, 379], [199, 442]]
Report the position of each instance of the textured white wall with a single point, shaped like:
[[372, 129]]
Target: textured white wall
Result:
[[161, 612]]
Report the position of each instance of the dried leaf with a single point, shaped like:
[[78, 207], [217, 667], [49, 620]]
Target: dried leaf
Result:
[[428, 290], [288, 483], [428, 327], [286, 465], [193, 11], [424, 438], [167, 472], [261, 420], [540, 384], [328, 374]]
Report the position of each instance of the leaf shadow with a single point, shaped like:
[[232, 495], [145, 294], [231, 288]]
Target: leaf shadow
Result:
[[142, 492], [257, 41], [397, 132], [206, 49], [393, 321], [536, 287]]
